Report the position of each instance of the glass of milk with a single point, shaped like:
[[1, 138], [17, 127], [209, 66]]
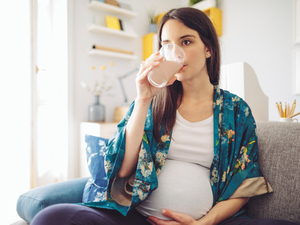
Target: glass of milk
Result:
[[172, 63]]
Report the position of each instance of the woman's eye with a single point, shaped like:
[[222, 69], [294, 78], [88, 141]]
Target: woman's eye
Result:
[[186, 42]]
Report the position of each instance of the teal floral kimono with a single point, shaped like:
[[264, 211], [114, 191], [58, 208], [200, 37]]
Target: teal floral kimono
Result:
[[234, 171]]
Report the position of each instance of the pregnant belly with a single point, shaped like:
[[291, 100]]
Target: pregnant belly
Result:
[[182, 187]]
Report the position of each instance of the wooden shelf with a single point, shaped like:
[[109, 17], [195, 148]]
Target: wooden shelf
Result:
[[96, 52], [102, 29], [110, 8]]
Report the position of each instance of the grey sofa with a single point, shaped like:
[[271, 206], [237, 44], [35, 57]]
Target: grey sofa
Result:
[[279, 159]]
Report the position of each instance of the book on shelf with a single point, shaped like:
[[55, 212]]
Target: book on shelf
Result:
[[121, 24], [113, 22]]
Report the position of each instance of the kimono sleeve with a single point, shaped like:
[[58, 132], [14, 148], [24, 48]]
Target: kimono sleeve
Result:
[[127, 193], [246, 177]]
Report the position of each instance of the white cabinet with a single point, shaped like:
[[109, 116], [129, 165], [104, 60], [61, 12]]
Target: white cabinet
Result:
[[105, 130]]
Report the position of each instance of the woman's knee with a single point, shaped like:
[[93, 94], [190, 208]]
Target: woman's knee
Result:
[[61, 214]]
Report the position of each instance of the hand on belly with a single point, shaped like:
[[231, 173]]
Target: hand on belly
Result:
[[182, 188], [178, 217]]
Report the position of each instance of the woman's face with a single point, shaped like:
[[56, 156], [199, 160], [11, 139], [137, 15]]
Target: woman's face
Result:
[[189, 40]]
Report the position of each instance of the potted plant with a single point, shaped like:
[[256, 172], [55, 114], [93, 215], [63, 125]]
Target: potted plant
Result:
[[152, 27], [203, 4]]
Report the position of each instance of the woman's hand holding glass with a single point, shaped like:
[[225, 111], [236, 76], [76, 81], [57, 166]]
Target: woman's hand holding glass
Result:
[[145, 90]]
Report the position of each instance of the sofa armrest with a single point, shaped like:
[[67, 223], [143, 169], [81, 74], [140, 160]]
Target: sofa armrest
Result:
[[33, 201], [279, 154]]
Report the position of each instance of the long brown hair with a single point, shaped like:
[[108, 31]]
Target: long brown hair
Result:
[[166, 102]]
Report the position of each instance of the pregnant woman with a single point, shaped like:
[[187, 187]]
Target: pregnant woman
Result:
[[183, 154]]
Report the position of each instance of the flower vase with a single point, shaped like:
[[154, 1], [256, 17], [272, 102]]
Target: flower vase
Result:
[[96, 111]]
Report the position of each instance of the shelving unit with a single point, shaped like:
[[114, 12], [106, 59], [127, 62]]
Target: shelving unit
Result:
[[110, 8], [96, 52], [105, 30], [102, 29]]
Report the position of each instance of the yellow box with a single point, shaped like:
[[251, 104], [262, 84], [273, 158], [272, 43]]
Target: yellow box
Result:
[[215, 16], [112, 22], [150, 45], [158, 18]]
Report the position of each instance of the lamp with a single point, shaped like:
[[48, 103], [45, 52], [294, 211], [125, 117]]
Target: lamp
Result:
[[121, 110]]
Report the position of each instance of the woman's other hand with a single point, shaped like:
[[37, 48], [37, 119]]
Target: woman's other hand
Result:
[[178, 219]]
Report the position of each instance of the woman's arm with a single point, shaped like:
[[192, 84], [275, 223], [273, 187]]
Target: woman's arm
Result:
[[223, 210], [220, 212], [134, 135], [135, 125]]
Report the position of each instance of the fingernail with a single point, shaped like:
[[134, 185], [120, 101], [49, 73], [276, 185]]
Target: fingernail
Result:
[[163, 211]]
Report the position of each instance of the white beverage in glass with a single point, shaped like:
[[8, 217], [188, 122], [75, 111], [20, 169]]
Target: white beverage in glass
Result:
[[174, 57]]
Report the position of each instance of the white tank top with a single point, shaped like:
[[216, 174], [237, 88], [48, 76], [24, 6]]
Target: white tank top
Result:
[[184, 182]]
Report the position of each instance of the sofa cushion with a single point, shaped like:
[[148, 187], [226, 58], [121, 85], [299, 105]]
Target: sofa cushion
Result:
[[279, 160], [33, 201]]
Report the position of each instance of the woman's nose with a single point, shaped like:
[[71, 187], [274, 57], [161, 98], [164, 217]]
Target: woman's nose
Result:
[[177, 52]]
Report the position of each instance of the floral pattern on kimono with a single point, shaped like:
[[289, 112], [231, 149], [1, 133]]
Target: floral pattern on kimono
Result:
[[233, 170]]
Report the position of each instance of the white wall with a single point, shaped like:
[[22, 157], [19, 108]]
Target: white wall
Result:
[[83, 40], [261, 34]]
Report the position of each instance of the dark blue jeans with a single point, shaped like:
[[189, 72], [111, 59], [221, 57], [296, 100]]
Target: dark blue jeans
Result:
[[70, 214]]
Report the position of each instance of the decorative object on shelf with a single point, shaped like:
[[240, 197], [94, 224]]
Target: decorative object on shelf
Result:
[[112, 2], [287, 112], [113, 22], [112, 49], [152, 27], [96, 111], [193, 2], [95, 52], [121, 110], [203, 4]]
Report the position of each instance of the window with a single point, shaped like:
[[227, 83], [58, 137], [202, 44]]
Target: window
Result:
[[50, 93]]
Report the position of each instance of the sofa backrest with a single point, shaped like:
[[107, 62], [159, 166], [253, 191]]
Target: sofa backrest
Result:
[[279, 160]]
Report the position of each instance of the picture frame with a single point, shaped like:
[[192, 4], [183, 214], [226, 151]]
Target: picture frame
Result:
[[296, 79], [297, 21]]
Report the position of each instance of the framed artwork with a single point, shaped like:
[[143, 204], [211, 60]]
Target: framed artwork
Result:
[[297, 21], [296, 80]]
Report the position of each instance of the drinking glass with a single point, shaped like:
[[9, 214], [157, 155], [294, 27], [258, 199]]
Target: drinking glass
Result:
[[172, 63]]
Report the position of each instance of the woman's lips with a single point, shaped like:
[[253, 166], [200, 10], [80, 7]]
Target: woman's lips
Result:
[[182, 67]]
